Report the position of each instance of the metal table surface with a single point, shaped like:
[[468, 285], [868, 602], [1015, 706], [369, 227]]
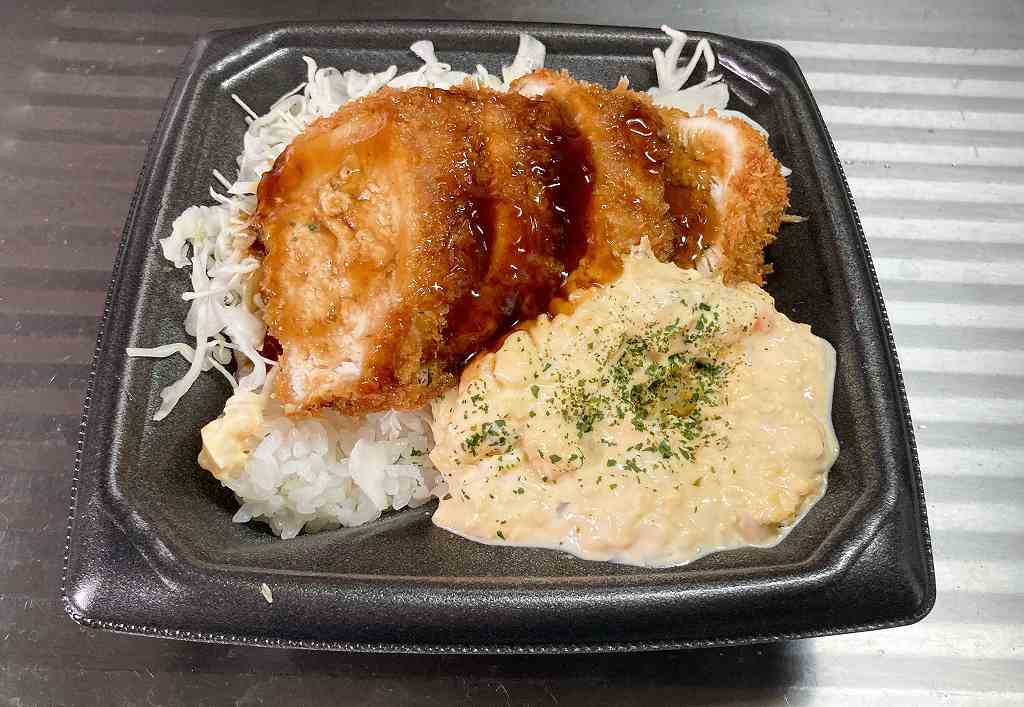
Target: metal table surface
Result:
[[926, 104]]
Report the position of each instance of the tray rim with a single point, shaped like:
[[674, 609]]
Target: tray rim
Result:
[[260, 35]]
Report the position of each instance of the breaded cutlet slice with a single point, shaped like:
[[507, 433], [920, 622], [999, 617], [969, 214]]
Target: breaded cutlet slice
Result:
[[727, 192], [618, 141]]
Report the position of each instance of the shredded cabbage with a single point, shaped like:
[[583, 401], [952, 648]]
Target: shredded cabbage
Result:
[[529, 58], [711, 93]]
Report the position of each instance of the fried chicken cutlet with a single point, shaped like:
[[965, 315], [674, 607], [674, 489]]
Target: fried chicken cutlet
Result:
[[401, 234], [408, 230]]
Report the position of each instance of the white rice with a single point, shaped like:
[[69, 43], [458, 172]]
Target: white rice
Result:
[[324, 471], [327, 471]]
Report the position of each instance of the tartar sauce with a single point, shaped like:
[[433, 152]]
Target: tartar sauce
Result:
[[666, 417]]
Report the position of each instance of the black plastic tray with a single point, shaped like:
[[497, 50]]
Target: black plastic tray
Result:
[[151, 546]]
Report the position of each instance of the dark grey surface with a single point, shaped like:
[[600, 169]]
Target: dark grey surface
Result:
[[931, 139]]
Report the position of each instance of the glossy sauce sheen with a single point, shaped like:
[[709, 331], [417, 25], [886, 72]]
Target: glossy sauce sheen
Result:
[[572, 189], [510, 225], [690, 206]]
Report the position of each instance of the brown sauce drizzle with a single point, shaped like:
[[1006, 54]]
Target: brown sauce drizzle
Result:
[[271, 348], [645, 137], [572, 196], [471, 316], [691, 209], [482, 318]]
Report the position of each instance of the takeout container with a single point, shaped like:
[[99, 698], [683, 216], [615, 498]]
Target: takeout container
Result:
[[151, 546]]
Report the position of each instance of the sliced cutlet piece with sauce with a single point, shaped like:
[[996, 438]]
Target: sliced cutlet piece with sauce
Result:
[[727, 192], [516, 260], [705, 189], [617, 142], [390, 249]]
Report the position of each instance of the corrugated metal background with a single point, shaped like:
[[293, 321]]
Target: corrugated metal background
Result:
[[926, 104]]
